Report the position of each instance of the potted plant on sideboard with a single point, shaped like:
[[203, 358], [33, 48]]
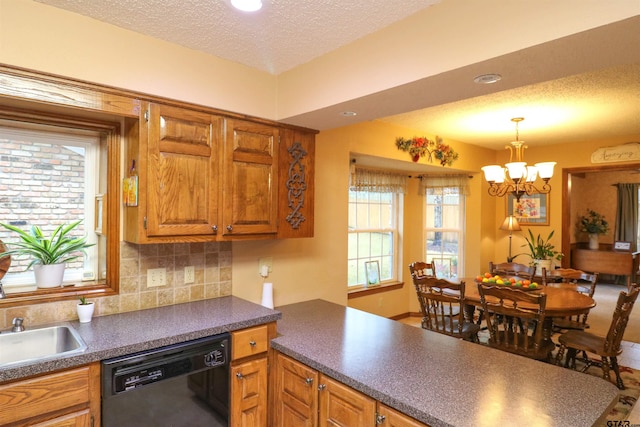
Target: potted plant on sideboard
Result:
[[49, 255], [593, 224], [542, 252]]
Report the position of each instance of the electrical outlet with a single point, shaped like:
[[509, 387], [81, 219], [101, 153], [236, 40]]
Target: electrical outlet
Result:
[[156, 277], [189, 274], [268, 262]]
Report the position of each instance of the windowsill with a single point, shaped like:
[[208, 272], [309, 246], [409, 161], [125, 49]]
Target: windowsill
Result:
[[385, 287]]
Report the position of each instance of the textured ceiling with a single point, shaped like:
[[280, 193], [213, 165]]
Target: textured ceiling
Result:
[[582, 87], [282, 35]]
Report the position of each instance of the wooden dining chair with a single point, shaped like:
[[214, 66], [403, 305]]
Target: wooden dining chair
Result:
[[442, 306], [607, 348], [512, 269], [585, 283], [422, 269], [515, 321]]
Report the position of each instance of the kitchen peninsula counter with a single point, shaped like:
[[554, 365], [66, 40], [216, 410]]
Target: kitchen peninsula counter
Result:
[[436, 379], [131, 332]]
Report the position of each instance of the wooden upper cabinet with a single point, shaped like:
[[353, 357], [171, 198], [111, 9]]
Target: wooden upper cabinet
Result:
[[250, 179], [206, 177], [182, 171], [175, 153]]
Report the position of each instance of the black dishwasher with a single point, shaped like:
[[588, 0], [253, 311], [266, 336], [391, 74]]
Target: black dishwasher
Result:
[[185, 384]]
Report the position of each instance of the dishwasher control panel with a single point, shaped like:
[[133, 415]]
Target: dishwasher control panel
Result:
[[130, 372]]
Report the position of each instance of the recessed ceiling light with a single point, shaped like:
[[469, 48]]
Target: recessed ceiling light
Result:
[[348, 113], [485, 79], [247, 5]]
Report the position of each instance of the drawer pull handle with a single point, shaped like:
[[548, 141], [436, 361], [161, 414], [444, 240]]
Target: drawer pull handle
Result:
[[252, 343]]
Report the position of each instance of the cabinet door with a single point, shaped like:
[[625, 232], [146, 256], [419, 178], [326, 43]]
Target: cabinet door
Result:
[[249, 394], [75, 419], [182, 172], [389, 417], [341, 405], [250, 190], [296, 394], [296, 184]]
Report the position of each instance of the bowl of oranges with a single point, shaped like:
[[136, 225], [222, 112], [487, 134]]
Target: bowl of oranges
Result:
[[512, 282]]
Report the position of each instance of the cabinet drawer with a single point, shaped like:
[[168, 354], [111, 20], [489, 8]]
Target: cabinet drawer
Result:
[[37, 396], [248, 342]]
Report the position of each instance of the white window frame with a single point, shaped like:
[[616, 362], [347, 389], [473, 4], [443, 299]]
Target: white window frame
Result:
[[90, 142], [438, 256], [395, 229]]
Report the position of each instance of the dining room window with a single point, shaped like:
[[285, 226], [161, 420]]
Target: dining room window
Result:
[[444, 223], [375, 205]]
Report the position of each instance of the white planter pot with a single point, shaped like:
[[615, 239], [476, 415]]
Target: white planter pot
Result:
[[49, 275], [85, 312], [594, 242], [542, 263]]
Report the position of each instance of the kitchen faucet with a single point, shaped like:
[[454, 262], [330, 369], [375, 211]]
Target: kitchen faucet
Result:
[[17, 324]]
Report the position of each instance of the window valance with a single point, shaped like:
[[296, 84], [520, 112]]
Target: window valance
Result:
[[377, 181], [439, 181]]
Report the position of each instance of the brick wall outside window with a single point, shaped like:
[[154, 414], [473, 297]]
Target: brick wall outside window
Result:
[[40, 184]]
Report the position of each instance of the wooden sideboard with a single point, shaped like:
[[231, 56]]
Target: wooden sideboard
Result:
[[605, 261]]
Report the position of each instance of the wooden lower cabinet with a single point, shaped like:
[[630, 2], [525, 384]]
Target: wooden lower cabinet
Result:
[[305, 398], [249, 394], [69, 398], [389, 417], [249, 376]]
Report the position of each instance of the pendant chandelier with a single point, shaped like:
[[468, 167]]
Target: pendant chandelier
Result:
[[516, 177]]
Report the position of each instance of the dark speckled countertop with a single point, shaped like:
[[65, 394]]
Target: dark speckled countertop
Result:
[[125, 333], [439, 380]]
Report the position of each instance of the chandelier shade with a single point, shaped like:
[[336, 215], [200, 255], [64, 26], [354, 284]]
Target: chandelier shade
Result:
[[516, 177]]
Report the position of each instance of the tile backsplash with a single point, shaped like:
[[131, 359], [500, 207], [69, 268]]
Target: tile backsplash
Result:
[[212, 279]]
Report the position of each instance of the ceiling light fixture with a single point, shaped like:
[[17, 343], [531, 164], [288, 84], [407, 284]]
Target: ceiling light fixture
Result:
[[516, 177], [485, 79], [247, 5]]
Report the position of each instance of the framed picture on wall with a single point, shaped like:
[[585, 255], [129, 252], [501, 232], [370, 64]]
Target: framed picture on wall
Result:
[[530, 210]]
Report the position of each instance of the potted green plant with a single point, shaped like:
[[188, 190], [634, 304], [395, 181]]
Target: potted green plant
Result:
[[593, 224], [49, 255], [541, 251], [85, 310]]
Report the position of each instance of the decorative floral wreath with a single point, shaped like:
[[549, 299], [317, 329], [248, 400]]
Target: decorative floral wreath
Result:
[[422, 146]]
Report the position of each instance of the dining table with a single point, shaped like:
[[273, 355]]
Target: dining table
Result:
[[563, 300]]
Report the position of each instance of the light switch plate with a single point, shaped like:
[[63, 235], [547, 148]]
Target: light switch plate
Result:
[[156, 277]]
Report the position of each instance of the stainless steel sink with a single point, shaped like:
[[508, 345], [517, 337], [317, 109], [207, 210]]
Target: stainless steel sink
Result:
[[39, 344]]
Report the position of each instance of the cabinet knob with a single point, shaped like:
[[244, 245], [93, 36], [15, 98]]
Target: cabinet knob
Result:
[[380, 419], [322, 387], [252, 343], [229, 228], [239, 375], [214, 228], [308, 380]]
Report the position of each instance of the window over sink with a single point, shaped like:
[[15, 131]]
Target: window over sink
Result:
[[54, 170]]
